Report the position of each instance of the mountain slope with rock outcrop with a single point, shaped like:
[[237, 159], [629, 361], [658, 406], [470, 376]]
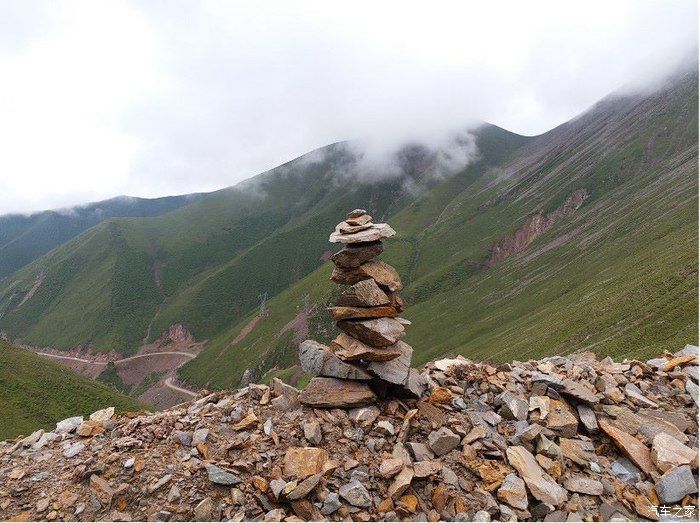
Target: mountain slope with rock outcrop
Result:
[[562, 439]]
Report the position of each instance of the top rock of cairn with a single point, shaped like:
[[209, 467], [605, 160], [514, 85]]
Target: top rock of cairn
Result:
[[358, 228], [368, 359]]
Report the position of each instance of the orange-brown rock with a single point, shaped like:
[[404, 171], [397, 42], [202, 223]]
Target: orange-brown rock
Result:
[[362, 313], [634, 449], [302, 462], [365, 293], [332, 392]]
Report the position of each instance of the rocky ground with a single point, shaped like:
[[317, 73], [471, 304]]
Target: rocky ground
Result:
[[561, 439]]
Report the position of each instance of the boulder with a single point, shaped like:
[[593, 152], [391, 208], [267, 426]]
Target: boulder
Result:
[[512, 491], [443, 440], [332, 392], [676, 484]]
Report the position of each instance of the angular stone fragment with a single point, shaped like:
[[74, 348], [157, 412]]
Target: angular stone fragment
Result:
[[68, 425], [561, 419], [667, 452], [332, 392], [676, 484], [348, 348], [204, 511], [362, 313], [583, 485], [423, 469], [356, 255], [634, 449], [302, 462], [347, 228], [414, 387], [359, 220], [442, 441], [679, 361], [578, 392], [632, 391], [376, 232], [102, 415], [578, 451], [390, 467], [312, 432], [102, 490], [220, 476], [541, 484], [381, 332], [320, 360], [401, 483], [365, 293], [588, 419], [512, 491], [514, 407], [382, 273], [396, 370], [356, 494]]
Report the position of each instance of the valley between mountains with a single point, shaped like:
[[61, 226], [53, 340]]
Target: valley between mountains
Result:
[[580, 239]]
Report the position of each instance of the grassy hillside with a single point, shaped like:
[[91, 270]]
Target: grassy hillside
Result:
[[24, 238], [206, 264], [617, 276], [36, 393], [582, 238]]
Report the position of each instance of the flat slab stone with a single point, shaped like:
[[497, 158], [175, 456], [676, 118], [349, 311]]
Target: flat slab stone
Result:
[[354, 255], [362, 313], [365, 293], [332, 393], [382, 273], [381, 332], [541, 485], [348, 348], [320, 360], [376, 232], [635, 450]]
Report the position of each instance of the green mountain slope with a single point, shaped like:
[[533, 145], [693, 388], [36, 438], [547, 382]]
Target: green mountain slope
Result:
[[206, 264], [24, 238], [584, 237], [37, 393], [596, 224]]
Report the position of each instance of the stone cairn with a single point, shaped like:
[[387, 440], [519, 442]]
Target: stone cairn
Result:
[[367, 360]]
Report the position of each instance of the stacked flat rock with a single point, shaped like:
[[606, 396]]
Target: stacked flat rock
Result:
[[367, 359]]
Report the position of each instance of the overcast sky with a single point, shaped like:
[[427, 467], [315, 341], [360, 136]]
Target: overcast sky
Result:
[[152, 98]]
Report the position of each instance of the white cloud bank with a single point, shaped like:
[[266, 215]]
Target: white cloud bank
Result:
[[153, 98]]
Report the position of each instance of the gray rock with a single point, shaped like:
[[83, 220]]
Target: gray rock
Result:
[[182, 437], [204, 511], [312, 432], [692, 389], [419, 451], [199, 436], [625, 470], [356, 494], [415, 386], [364, 416], [675, 484], [443, 440], [688, 350], [319, 360], [69, 424], [551, 381], [330, 504], [583, 485], [73, 450], [394, 371], [482, 515], [514, 407], [692, 372], [633, 392], [588, 419], [45, 438], [220, 476]]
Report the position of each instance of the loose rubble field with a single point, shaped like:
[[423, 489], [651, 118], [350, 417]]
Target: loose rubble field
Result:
[[561, 439]]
